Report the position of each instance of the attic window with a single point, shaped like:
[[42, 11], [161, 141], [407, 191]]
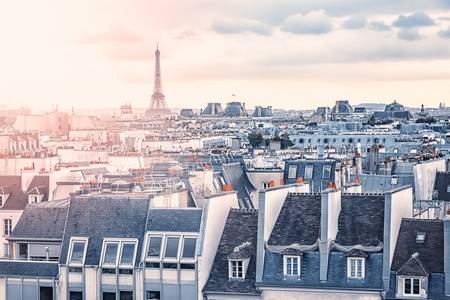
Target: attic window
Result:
[[77, 251], [1, 201], [236, 269], [309, 171], [420, 237]]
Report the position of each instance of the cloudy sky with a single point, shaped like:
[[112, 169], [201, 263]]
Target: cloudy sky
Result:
[[285, 53]]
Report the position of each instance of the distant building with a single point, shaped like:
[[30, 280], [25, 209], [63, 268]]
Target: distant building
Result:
[[341, 110], [212, 109], [187, 112], [158, 105], [262, 112], [235, 109]]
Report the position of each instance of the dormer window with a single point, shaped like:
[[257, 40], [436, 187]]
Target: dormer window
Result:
[[77, 251], [291, 265], [326, 173], [411, 286], [1, 201], [32, 198], [236, 269], [356, 267], [118, 253]]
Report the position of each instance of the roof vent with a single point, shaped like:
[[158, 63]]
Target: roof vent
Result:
[[415, 255]]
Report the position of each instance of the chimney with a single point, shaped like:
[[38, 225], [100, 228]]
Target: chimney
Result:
[[447, 254], [330, 209]]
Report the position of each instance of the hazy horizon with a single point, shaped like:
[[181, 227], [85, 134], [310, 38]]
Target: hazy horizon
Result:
[[288, 54]]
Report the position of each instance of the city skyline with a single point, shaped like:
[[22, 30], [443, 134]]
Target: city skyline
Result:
[[288, 54]]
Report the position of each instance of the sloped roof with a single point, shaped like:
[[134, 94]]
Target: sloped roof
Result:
[[102, 217], [298, 221], [17, 198], [235, 175], [28, 269], [174, 219], [361, 221], [241, 227], [42, 221], [431, 250], [413, 267]]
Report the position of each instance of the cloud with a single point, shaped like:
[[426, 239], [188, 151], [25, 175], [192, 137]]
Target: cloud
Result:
[[187, 35], [409, 35], [445, 33], [417, 19], [379, 26], [355, 22], [312, 23], [233, 26], [112, 35]]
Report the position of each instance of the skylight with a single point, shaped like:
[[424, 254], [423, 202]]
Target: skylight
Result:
[[420, 237]]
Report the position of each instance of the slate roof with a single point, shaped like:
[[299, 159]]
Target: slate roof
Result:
[[318, 183], [18, 199], [241, 226], [235, 175], [413, 266], [361, 221], [174, 219], [28, 269], [371, 183], [298, 221], [42, 221], [102, 217], [431, 251], [440, 184]]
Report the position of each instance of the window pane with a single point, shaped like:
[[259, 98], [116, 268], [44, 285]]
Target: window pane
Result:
[[172, 247], [154, 247], [109, 296], [407, 286], [110, 253], [326, 172], [189, 247], [77, 252], [127, 254], [126, 295], [308, 172], [416, 286], [292, 173]]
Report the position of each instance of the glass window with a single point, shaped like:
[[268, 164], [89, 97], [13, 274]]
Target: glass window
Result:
[[5, 249], [23, 251], [7, 227], [126, 295], [189, 247], [356, 268], [292, 264], [110, 253], [326, 172], [237, 269], [411, 286], [109, 296], [154, 246], [172, 247], [292, 174], [309, 172], [127, 254], [75, 296], [77, 254]]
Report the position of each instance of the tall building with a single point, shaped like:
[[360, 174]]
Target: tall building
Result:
[[158, 105]]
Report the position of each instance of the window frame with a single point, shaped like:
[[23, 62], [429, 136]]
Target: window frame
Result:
[[120, 242], [362, 261], [147, 247], [412, 278], [231, 269], [328, 168], [188, 259], [309, 167], [177, 257], [9, 227], [73, 240], [286, 258], [292, 171]]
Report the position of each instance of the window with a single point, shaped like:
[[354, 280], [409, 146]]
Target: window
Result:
[[355, 267], [152, 295], [292, 265], [5, 249], [265, 185], [326, 174], [1, 200], [448, 188], [127, 255], [119, 252], [33, 199], [309, 171], [420, 237], [189, 248], [292, 174], [411, 286], [236, 269], [109, 296], [126, 295], [75, 296], [172, 247], [7, 227], [77, 252], [154, 247], [110, 255], [23, 251]]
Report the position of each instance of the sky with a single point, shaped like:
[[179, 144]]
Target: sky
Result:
[[286, 53]]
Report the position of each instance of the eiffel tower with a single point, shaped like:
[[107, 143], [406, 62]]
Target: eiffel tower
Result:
[[158, 105]]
